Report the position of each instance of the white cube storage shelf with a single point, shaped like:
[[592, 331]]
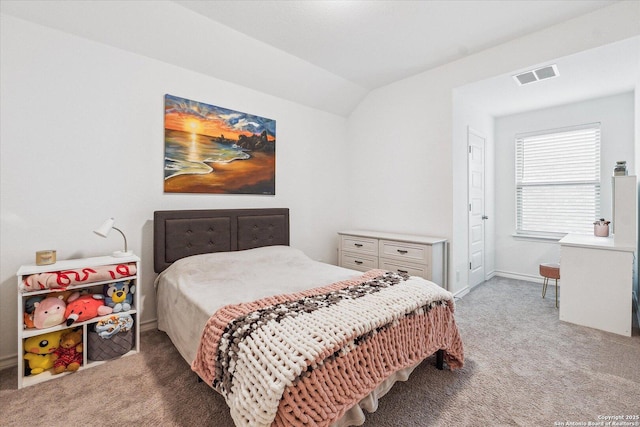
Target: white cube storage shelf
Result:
[[94, 287]]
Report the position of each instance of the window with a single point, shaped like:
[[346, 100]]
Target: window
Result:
[[558, 181]]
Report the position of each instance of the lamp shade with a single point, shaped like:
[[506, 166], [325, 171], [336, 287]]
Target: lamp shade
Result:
[[105, 228]]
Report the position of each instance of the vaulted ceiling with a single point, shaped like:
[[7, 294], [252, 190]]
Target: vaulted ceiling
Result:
[[374, 43], [324, 54]]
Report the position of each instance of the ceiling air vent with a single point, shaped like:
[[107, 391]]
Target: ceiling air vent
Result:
[[536, 75]]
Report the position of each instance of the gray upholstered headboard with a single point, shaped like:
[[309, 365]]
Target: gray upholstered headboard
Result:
[[181, 233]]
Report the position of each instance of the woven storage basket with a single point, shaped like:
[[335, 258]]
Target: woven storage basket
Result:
[[105, 349]]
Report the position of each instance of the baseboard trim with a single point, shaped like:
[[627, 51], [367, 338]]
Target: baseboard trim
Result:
[[10, 361], [462, 292], [149, 325], [636, 306], [519, 276]]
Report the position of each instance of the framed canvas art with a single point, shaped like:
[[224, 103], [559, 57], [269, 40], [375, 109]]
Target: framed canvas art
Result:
[[210, 149]]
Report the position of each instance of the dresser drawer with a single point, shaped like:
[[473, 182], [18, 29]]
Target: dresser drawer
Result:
[[405, 251], [360, 245], [358, 261], [420, 270]]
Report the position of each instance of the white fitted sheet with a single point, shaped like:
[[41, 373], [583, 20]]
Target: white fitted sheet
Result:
[[193, 288]]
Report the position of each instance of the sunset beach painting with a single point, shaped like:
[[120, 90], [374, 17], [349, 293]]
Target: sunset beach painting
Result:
[[210, 149]]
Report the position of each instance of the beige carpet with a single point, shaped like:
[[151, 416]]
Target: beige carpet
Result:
[[523, 367]]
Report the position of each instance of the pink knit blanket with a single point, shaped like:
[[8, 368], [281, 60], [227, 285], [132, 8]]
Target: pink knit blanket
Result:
[[63, 279], [306, 358]]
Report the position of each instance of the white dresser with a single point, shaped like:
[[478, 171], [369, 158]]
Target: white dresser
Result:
[[422, 256]]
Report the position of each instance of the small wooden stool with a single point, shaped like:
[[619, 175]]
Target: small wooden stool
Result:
[[550, 271]]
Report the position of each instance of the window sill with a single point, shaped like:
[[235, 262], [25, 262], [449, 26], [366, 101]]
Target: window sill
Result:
[[537, 237]]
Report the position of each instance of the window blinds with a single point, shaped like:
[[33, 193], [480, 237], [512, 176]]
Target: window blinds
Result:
[[558, 180]]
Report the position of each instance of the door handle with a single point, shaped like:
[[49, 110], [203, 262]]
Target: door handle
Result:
[[485, 217]]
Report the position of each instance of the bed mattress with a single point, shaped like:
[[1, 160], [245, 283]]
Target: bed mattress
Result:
[[194, 288]]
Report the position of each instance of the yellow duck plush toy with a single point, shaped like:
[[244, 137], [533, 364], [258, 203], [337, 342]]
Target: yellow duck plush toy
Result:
[[39, 351]]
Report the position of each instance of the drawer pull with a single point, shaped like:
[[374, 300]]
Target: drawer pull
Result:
[[403, 271], [357, 245], [357, 262], [402, 251]]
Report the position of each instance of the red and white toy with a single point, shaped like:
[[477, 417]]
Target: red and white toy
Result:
[[85, 307]]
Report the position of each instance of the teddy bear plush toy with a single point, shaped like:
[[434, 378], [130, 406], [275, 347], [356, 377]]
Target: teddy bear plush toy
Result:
[[68, 356]]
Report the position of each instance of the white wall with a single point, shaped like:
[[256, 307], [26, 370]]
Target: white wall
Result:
[[82, 139], [408, 173], [519, 257]]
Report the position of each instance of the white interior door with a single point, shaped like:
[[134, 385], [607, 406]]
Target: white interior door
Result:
[[476, 200]]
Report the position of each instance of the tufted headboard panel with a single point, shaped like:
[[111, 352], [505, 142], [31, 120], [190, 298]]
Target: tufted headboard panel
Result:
[[181, 233]]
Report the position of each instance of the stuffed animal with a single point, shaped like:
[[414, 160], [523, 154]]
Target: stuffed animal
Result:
[[68, 357], [49, 312], [29, 308], [119, 295], [39, 351], [85, 307], [29, 304]]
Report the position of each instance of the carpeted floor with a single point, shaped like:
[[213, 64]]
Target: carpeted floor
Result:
[[523, 367]]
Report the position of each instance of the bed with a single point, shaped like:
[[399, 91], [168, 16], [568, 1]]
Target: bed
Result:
[[285, 339]]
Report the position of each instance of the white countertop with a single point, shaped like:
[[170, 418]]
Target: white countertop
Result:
[[590, 241], [410, 238]]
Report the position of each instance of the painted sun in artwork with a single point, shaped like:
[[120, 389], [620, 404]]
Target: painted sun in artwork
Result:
[[210, 149]]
